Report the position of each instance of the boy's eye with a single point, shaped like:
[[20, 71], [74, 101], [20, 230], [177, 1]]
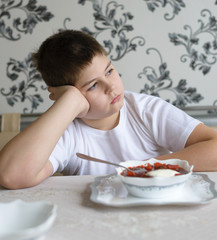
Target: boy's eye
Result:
[[109, 72], [92, 87]]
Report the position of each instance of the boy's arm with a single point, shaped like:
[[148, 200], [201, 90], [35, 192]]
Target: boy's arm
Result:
[[200, 149], [24, 161]]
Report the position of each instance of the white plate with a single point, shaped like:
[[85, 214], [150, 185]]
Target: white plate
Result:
[[108, 190]]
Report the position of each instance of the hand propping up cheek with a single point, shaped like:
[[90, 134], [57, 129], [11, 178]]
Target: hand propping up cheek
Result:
[[73, 95], [57, 92]]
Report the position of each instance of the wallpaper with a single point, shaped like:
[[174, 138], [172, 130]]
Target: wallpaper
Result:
[[165, 48]]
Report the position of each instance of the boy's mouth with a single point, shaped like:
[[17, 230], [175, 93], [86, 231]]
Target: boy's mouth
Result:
[[116, 99]]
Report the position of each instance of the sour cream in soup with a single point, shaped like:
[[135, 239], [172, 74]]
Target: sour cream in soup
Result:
[[162, 173]]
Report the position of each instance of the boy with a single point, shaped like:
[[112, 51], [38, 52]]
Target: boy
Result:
[[93, 115]]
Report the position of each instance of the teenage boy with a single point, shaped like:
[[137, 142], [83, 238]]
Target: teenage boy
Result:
[[92, 114]]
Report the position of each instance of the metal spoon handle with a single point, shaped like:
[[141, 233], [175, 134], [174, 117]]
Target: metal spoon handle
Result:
[[86, 157]]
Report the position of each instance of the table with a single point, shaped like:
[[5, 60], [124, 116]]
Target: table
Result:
[[79, 218]]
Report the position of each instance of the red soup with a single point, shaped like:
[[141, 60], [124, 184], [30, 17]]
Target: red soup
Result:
[[149, 167]]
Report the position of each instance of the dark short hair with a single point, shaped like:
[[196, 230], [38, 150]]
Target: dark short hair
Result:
[[61, 57]]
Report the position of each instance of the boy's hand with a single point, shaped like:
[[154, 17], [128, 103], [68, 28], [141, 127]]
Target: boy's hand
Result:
[[57, 92], [72, 92]]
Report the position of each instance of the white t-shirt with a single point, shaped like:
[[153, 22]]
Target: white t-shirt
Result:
[[148, 127]]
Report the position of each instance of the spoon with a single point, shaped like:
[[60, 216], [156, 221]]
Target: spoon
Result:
[[86, 157]]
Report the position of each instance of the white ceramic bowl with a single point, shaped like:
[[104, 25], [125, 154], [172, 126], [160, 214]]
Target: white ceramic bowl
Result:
[[155, 187], [21, 220]]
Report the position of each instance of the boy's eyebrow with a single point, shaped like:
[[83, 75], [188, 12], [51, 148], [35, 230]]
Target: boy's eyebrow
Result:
[[87, 83]]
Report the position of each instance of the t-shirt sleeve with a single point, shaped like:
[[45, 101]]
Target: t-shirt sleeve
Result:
[[59, 157], [169, 125]]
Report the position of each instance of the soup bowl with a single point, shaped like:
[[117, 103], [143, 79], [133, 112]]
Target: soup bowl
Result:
[[161, 185]]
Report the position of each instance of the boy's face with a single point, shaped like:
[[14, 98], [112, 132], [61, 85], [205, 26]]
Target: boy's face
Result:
[[102, 86]]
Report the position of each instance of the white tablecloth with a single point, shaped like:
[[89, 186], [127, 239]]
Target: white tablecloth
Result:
[[79, 218]]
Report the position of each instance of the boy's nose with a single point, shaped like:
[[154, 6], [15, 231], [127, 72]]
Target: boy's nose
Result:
[[109, 88]]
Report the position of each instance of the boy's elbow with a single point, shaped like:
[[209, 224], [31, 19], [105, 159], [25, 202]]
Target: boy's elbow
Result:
[[11, 181], [15, 179], [6, 182], [8, 174]]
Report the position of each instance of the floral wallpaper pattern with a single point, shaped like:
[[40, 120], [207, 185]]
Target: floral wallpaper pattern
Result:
[[33, 14], [206, 56], [166, 48], [162, 81], [117, 26], [26, 78], [175, 6]]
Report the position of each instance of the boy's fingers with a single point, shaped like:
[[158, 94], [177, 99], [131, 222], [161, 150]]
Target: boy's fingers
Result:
[[49, 89], [51, 96]]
